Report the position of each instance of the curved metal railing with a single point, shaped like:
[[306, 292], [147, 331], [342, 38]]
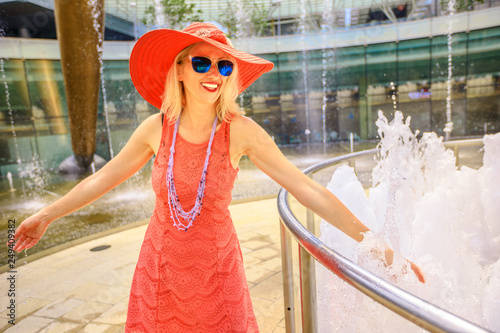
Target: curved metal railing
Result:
[[414, 309]]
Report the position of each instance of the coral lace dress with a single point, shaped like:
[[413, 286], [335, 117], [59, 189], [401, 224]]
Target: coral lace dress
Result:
[[191, 281]]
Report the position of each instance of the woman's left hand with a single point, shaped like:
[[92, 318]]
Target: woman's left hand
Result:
[[417, 271], [389, 255]]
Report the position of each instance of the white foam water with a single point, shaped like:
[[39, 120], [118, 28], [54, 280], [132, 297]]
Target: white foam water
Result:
[[447, 220]]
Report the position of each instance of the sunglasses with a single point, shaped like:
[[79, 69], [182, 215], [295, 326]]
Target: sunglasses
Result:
[[202, 65]]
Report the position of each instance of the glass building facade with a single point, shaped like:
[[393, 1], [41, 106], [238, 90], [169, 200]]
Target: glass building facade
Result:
[[310, 96], [409, 76]]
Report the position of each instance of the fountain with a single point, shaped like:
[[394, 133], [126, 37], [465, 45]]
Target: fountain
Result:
[[160, 19], [11, 184], [241, 20], [241, 31], [447, 223], [448, 127], [327, 21], [95, 11], [80, 27], [132, 201], [9, 108], [95, 217], [302, 32]]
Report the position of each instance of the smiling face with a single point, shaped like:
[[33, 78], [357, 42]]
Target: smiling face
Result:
[[204, 88]]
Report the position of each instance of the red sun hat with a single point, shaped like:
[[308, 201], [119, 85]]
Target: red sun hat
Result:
[[154, 53]]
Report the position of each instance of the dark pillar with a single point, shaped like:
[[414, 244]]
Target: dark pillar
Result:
[[80, 31]]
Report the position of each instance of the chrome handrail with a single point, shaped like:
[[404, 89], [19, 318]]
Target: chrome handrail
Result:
[[414, 309]]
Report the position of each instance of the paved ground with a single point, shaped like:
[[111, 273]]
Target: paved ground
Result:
[[76, 290]]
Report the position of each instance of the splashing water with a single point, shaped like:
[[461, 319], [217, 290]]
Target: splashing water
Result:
[[327, 22], [97, 26], [160, 19], [241, 20], [11, 183], [449, 123], [241, 30], [302, 32], [442, 218], [34, 176], [393, 96], [9, 108]]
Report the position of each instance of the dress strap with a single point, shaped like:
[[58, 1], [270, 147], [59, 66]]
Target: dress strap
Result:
[[227, 131]]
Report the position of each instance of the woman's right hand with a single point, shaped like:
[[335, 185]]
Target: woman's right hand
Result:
[[29, 232]]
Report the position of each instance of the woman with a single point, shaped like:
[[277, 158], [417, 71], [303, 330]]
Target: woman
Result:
[[189, 276]]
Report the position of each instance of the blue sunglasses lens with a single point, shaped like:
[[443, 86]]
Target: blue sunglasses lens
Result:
[[225, 67], [202, 65]]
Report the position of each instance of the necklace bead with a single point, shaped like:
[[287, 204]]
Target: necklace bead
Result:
[[176, 210]]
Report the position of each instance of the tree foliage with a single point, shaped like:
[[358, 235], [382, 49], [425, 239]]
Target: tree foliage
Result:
[[177, 14], [461, 5], [245, 18]]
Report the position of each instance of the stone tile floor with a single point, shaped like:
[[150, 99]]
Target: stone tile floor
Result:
[[76, 290]]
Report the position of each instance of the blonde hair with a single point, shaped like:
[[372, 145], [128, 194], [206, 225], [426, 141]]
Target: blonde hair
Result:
[[174, 96]]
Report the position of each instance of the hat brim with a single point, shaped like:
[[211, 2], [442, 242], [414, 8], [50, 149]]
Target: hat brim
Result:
[[154, 53]]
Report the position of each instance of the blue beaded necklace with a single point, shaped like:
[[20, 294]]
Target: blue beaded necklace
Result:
[[176, 210]]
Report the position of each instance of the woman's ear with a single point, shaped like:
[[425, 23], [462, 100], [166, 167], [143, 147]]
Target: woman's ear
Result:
[[179, 72]]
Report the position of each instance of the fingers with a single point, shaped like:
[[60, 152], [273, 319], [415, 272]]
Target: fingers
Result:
[[19, 243], [32, 243], [418, 272], [19, 231], [25, 243], [18, 236], [13, 239], [389, 256]]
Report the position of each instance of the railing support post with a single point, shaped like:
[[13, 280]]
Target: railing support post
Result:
[[287, 271], [307, 291], [308, 277]]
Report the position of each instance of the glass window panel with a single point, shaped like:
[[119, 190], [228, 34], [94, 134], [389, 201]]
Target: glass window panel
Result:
[[351, 70], [350, 67], [484, 47], [15, 123], [53, 147], [413, 77], [14, 94], [381, 60], [482, 116], [414, 60], [121, 99], [16, 126], [439, 68], [48, 99]]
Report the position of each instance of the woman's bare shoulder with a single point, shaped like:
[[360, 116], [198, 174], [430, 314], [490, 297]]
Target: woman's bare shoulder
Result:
[[151, 125], [153, 120], [149, 131], [243, 125], [247, 134]]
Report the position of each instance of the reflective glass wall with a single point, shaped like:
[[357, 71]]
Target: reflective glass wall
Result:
[[308, 97], [409, 76], [33, 106]]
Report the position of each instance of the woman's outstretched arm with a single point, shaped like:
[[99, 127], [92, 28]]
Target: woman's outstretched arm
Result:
[[252, 140], [135, 154]]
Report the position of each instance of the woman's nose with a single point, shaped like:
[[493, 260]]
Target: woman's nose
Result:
[[213, 70]]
